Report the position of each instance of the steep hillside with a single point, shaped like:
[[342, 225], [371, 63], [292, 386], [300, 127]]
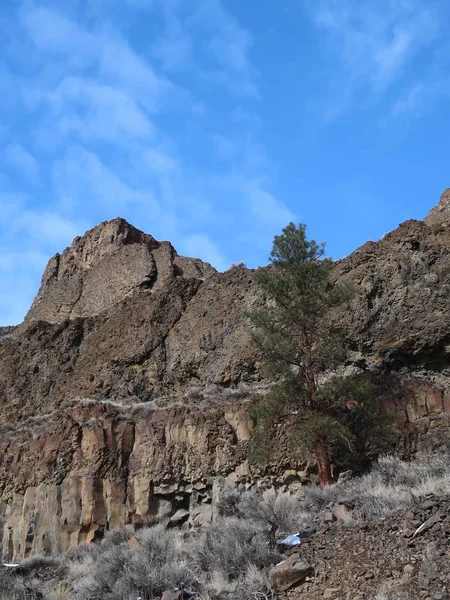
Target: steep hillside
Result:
[[122, 393]]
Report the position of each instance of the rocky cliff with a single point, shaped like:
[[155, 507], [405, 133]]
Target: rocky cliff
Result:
[[105, 266], [122, 395], [440, 214]]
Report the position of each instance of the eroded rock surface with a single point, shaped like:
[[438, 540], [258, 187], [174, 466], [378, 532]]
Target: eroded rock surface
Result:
[[98, 468], [122, 394], [110, 262], [440, 214]]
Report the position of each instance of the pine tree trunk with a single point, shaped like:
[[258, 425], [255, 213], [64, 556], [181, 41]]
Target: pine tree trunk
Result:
[[323, 460]]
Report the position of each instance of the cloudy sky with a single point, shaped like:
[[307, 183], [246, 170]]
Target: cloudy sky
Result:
[[213, 123]]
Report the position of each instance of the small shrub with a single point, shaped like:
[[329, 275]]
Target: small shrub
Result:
[[114, 537], [80, 553], [231, 544], [99, 582], [392, 485], [317, 497], [119, 571], [278, 513], [61, 591], [35, 563], [11, 586]]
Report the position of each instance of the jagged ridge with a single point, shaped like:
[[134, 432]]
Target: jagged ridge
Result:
[[110, 262]]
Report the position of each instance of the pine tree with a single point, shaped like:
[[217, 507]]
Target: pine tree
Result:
[[301, 347]]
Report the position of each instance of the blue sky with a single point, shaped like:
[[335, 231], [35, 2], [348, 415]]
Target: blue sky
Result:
[[213, 123]]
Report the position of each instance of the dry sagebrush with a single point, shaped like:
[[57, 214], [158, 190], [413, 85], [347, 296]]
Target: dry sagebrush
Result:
[[230, 558]]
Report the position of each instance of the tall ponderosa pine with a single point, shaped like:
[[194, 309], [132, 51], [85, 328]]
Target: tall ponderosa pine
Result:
[[300, 346]]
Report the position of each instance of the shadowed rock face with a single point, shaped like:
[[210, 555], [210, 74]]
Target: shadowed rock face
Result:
[[122, 393], [6, 331], [401, 313]]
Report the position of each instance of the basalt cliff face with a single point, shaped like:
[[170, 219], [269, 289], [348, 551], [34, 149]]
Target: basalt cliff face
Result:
[[123, 394]]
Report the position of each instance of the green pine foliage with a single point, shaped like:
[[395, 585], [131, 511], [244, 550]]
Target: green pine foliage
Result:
[[301, 347]]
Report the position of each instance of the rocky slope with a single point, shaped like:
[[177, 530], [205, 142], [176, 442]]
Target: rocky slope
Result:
[[121, 394], [387, 559], [384, 536]]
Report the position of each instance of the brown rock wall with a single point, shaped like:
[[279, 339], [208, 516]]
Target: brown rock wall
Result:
[[440, 214], [100, 269], [97, 469], [121, 394]]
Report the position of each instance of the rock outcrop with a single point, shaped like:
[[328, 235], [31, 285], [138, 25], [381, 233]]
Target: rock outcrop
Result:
[[99, 468], [440, 214], [6, 331], [122, 395], [109, 263], [401, 313]]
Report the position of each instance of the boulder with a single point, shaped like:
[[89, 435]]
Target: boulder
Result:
[[172, 595], [289, 573], [181, 515], [341, 512], [330, 592]]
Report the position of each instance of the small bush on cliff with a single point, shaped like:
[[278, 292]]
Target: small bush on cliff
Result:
[[11, 587], [232, 545], [300, 346], [276, 512], [37, 562], [145, 568]]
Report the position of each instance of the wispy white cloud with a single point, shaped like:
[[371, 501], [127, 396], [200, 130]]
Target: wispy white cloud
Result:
[[11, 203], [19, 285], [83, 181], [158, 161], [97, 111], [43, 228], [228, 40], [422, 97], [80, 49], [48, 225], [266, 208], [204, 38], [11, 261], [131, 129], [372, 44], [21, 159], [141, 4], [29, 236], [52, 31], [175, 46], [174, 50], [224, 147], [201, 246]]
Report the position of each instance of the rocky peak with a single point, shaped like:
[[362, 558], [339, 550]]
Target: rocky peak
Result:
[[107, 264], [106, 238], [440, 214]]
